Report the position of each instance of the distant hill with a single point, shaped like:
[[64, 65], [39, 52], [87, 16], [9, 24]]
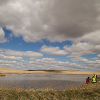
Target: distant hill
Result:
[[12, 71]]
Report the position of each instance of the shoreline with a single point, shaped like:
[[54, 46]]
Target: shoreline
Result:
[[12, 71]]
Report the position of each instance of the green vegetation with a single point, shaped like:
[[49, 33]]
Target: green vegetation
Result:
[[85, 92]]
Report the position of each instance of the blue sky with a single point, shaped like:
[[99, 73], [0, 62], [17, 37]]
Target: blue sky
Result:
[[50, 34]]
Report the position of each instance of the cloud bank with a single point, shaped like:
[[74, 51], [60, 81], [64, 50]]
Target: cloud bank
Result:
[[54, 20], [14, 59]]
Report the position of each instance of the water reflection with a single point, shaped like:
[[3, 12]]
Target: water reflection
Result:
[[36, 81]]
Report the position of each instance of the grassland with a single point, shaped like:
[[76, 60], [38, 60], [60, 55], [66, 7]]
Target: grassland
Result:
[[85, 92], [12, 71]]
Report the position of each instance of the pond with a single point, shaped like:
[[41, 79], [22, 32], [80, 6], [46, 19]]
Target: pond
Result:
[[37, 81]]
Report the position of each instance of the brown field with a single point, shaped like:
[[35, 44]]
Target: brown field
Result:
[[12, 71]]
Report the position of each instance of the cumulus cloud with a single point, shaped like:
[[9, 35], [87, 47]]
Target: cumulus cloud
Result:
[[32, 59], [7, 62], [48, 64], [11, 58], [40, 64], [79, 47], [2, 35], [2, 56], [74, 54], [82, 48], [75, 51], [52, 63], [8, 56], [94, 65], [44, 60], [98, 55], [52, 50], [54, 20], [5, 57], [23, 54], [90, 37], [93, 62], [95, 58], [79, 59]]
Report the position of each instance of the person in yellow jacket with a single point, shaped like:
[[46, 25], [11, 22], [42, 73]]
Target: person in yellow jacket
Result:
[[95, 76], [93, 80]]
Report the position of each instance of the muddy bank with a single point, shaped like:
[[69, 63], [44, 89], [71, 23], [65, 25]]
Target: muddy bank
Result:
[[2, 74]]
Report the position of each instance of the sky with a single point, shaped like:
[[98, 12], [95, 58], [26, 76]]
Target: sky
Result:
[[50, 34]]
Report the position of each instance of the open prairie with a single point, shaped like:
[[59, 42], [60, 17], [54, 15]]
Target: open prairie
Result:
[[12, 71]]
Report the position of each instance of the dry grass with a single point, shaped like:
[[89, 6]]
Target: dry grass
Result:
[[11, 71]]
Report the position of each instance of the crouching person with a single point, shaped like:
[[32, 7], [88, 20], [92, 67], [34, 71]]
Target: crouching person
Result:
[[87, 80], [94, 80]]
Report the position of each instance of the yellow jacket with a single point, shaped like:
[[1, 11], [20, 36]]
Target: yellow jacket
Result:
[[93, 80]]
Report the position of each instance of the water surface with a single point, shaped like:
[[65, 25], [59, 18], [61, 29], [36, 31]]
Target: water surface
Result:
[[36, 81]]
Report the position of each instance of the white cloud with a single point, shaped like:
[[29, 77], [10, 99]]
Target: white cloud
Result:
[[93, 37], [11, 58], [3, 56], [94, 65], [23, 54], [2, 36], [44, 60], [79, 59], [54, 20], [52, 50], [82, 48], [51, 63], [98, 55], [7, 62], [40, 64], [95, 58], [32, 59], [48, 64], [74, 54]]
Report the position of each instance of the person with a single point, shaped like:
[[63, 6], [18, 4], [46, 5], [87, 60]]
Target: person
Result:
[[95, 76], [87, 80], [93, 80]]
